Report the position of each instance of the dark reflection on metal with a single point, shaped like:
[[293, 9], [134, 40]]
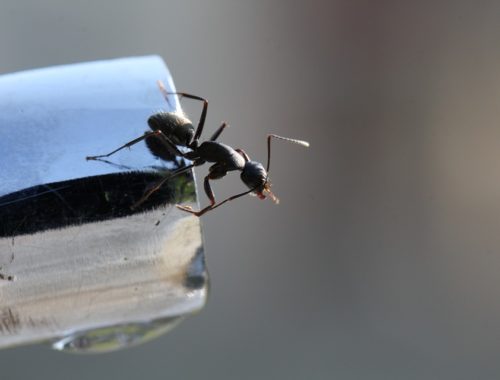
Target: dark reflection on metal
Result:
[[86, 200], [196, 274], [158, 149]]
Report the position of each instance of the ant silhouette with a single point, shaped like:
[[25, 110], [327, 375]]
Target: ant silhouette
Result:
[[174, 129]]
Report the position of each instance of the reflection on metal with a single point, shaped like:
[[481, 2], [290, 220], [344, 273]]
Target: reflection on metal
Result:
[[86, 200], [78, 264], [116, 337]]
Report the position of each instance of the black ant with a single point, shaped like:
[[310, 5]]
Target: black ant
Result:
[[173, 128]]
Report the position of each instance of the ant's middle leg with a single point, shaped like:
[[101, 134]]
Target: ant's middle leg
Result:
[[219, 130], [159, 184]]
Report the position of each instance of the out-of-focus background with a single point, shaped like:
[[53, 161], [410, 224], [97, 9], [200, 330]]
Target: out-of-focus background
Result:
[[383, 259]]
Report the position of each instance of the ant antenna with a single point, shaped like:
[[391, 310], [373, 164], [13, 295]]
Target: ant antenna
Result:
[[266, 182], [298, 142]]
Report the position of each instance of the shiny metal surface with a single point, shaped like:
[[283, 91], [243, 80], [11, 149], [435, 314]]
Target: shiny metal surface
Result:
[[74, 255]]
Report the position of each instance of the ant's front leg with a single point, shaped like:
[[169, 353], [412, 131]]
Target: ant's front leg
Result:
[[210, 195]]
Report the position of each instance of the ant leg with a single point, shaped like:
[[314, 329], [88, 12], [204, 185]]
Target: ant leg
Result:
[[201, 123], [210, 195], [127, 145], [168, 143], [163, 91], [213, 206], [208, 190], [219, 130], [159, 184]]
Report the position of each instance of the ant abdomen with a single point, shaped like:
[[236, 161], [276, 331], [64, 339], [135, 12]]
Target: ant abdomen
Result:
[[173, 125]]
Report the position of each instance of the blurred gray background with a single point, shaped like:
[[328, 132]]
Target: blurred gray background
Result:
[[383, 259]]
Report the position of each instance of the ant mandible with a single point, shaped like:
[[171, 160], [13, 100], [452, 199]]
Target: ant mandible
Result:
[[173, 128]]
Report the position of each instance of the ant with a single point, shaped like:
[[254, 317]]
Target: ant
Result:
[[173, 128]]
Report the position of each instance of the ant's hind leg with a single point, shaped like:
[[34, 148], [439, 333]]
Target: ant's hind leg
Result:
[[127, 145], [201, 123], [164, 139]]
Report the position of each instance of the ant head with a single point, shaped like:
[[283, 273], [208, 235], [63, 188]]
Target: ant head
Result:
[[256, 177]]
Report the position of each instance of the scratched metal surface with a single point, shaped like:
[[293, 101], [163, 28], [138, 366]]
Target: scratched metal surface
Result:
[[74, 255]]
